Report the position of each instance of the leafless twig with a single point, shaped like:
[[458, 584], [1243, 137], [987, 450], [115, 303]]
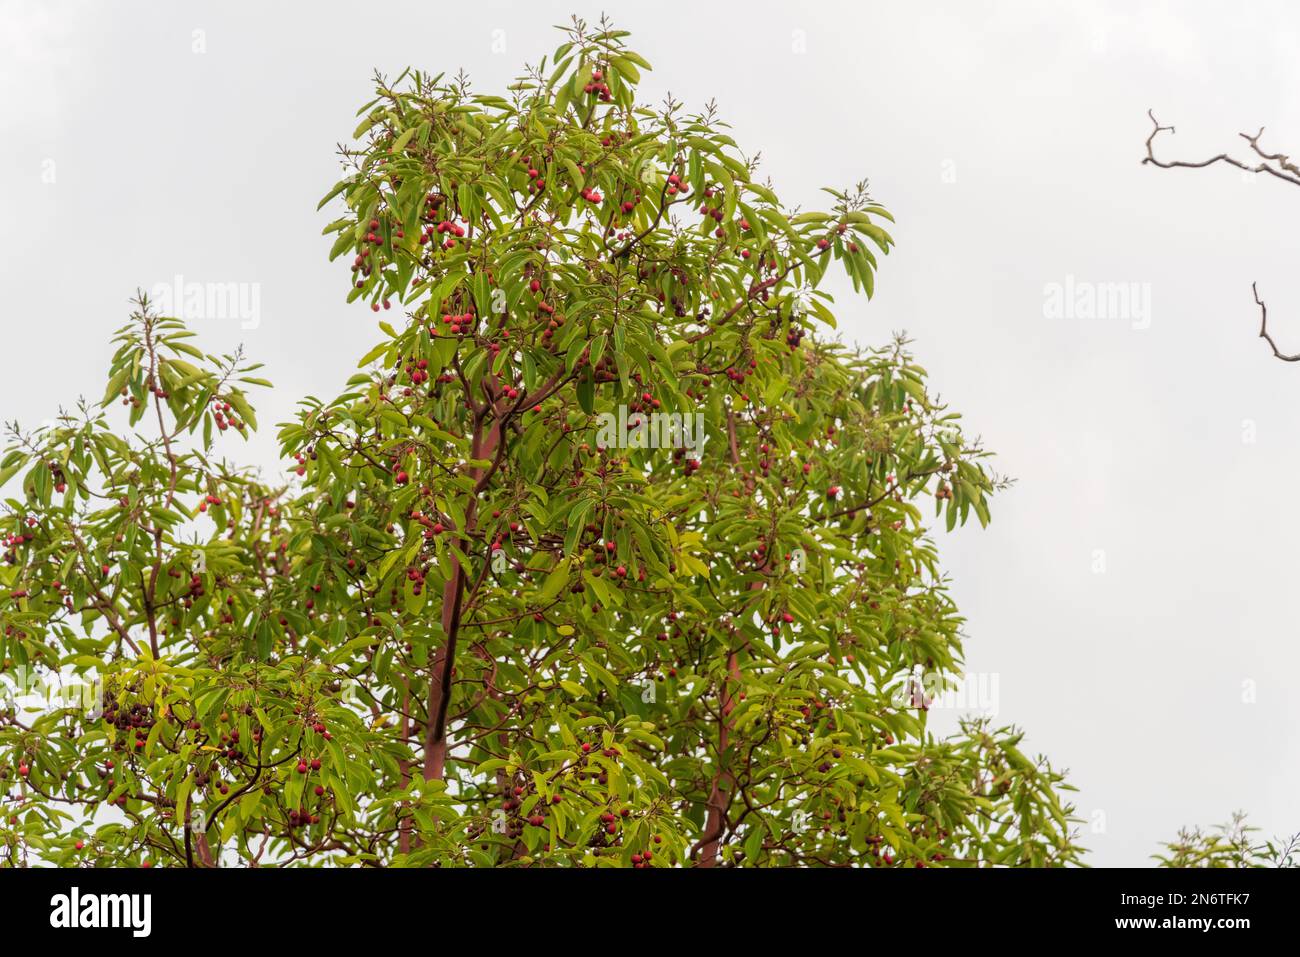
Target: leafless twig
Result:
[[1263, 328], [1284, 170], [1278, 165]]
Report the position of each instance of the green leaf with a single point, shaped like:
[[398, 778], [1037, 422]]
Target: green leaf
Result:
[[556, 580]]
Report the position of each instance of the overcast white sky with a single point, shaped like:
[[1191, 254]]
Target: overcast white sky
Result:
[[1134, 592]]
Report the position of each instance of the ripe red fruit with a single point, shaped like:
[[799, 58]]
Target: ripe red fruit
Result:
[[402, 478], [315, 764], [79, 845], [319, 790], [833, 491], [302, 767], [24, 770]]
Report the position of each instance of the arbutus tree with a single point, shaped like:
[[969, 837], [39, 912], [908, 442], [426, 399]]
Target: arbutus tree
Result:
[[607, 555]]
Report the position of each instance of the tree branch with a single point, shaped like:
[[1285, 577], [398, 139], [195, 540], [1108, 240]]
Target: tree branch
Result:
[[1263, 329], [1283, 169]]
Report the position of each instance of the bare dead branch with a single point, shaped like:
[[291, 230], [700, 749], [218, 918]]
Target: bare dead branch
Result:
[[1285, 169], [1282, 169], [1263, 328]]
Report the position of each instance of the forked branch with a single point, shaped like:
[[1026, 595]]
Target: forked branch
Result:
[[1275, 164]]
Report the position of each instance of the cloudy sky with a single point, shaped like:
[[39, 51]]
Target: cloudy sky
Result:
[[1131, 602]]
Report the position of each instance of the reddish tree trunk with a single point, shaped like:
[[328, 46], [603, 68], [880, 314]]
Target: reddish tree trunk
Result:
[[724, 781], [444, 660]]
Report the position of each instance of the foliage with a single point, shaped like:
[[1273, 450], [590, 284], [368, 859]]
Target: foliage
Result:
[[487, 619], [1229, 845]]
